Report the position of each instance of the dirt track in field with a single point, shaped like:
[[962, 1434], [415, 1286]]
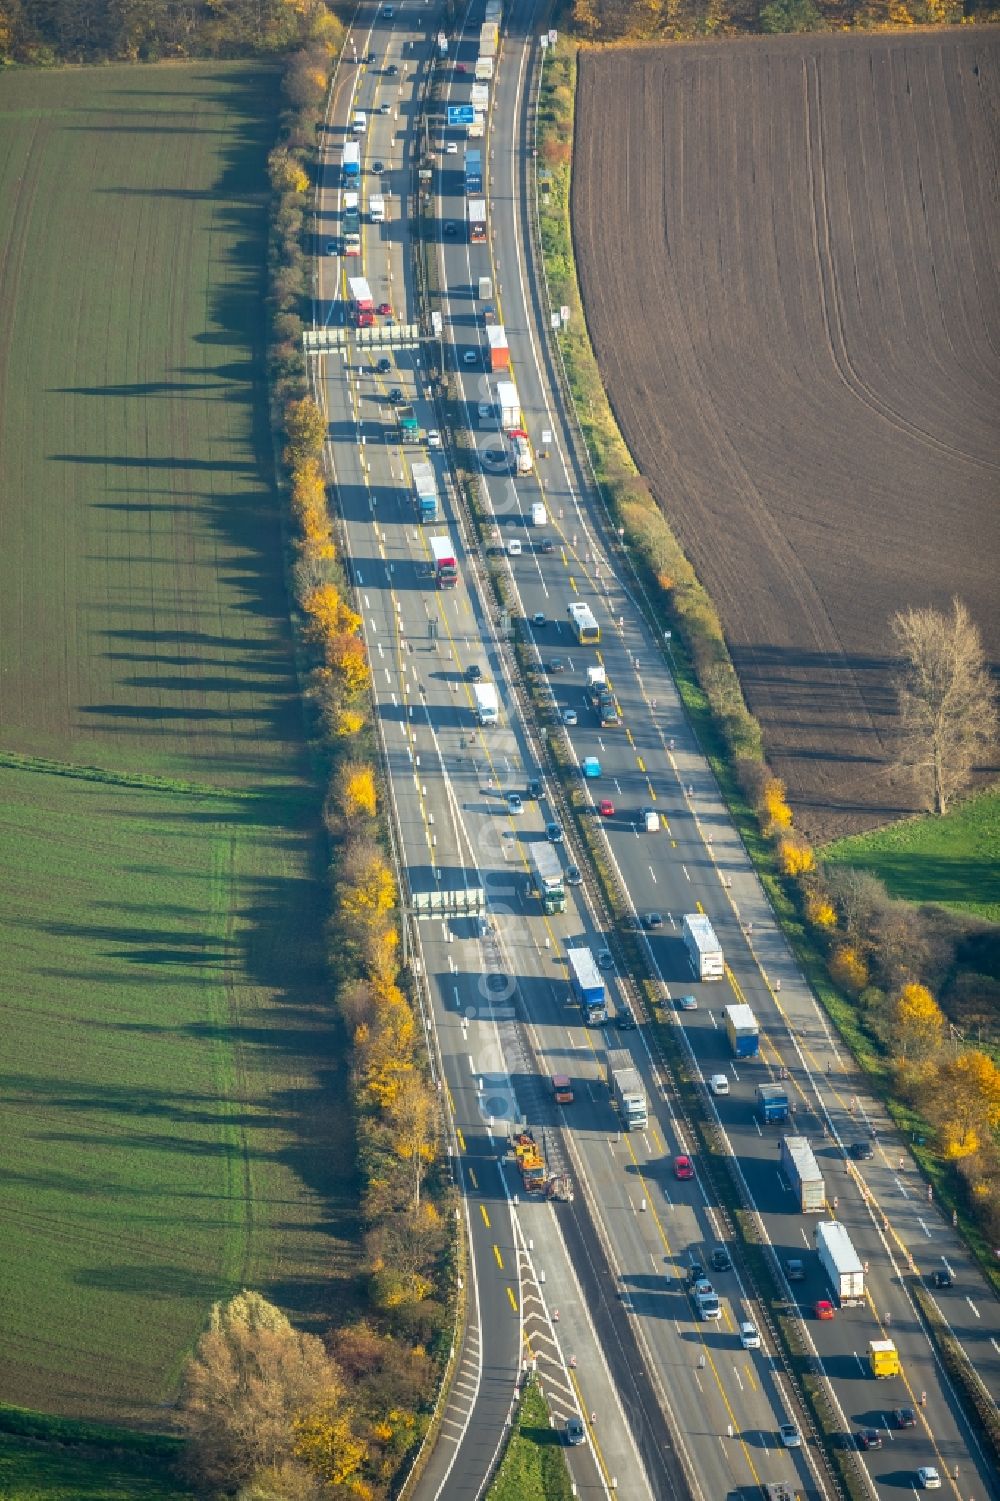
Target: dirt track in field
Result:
[[799, 331]]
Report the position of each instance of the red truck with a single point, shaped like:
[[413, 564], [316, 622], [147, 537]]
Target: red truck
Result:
[[445, 562], [362, 302], [496, 345]]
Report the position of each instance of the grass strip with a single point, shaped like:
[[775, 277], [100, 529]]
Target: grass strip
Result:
[[533, 1467]]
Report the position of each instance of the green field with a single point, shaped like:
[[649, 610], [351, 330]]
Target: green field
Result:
[[171, 1102], [143, 619], [954, 861], [33, 1472]]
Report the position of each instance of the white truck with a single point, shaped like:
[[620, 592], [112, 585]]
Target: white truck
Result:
[[376, 208], [803, 1174], [523, 462], [484, 69], [704, 949], [627, 1092], [840, 1262], [487, 703], [509, 403], [539, 515]]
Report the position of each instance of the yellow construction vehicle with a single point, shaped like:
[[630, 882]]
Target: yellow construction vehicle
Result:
[[883, 1357]]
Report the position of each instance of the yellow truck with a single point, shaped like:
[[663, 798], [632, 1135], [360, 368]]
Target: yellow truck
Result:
[[530, 1162], [883, 1358]]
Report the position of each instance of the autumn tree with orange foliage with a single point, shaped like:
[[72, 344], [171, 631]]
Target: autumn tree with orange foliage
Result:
[[965, 1103], [917, 1024]]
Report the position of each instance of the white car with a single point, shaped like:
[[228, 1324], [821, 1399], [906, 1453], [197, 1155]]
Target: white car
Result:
[[451, 149], [749, 1337], [790, 1436], [433, 438], [719, 1084], [569, 716], [929, 1478], [513, 548]]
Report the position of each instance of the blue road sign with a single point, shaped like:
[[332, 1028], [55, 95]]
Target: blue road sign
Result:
[[461, 114]]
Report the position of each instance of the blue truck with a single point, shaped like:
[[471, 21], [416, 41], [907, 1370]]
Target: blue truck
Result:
[[772, 1103], [742, 1031], [474, 171], [350, 165], [425, 491], [588, 987]]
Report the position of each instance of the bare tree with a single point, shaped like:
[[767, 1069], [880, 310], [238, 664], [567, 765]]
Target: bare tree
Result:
[[250, 1377], [946, 700]]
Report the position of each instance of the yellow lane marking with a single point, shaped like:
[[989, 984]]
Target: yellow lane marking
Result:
[[496, 1253], [486, 1218], [458, 1131], [513, 1300]]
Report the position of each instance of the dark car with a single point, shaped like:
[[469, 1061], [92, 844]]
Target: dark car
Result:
[[391, 70], [554, 833], [547, 546], [535, 787], [384, 366], [651, 920], [378, 167], [473, 672], [720, 1260], [943, 1278], [555, 664], [395, 395], [904, 1417], [862, 1151], [869, 1438], [695, 1273], [625, 1021], [574, 875], [451, 228], [795, 1270]]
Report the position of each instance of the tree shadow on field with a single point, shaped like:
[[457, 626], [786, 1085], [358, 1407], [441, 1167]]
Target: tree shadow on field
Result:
[[287, 1102]]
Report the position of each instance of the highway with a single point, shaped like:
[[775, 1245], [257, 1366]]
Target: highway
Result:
[[613, 1260]]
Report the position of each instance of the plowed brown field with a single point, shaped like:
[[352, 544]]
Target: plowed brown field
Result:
[[789, 261]]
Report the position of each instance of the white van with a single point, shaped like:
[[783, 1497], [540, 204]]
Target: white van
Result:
[[649, 821], [359, 122], [538, 514], [514, 547]]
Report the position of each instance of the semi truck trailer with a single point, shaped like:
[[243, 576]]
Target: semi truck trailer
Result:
[[772, 1103], [742, 1031], [425, 491], [840, 1262], [445, 562], [547, 876], [627, 1091], [704, 949], [803, 1174], [588, 987]]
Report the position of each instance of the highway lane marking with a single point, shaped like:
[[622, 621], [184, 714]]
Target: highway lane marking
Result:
[[472, 1176], [687, 874], [652, 872], [510, 1294], [496, 1253], [974, 1308], [486, 1218], [458, 1131], [924, 1228], [641, 764]]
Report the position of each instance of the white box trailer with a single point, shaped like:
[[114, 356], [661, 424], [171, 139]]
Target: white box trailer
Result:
[[704, 949], [480, 97], [803, 1174], [487, 703], [484, 69], [627, 1090], [840, 1262], [509, 403]]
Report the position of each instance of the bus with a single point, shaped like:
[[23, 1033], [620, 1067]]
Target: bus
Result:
[[583, 623]]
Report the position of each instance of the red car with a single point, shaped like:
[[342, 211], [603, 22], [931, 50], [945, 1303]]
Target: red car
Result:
[[384, 310], [606, 808], [683, 1167], [459, 67], [825, 1309]]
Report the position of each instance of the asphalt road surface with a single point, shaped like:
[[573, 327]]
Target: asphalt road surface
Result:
[[624, 1318]]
